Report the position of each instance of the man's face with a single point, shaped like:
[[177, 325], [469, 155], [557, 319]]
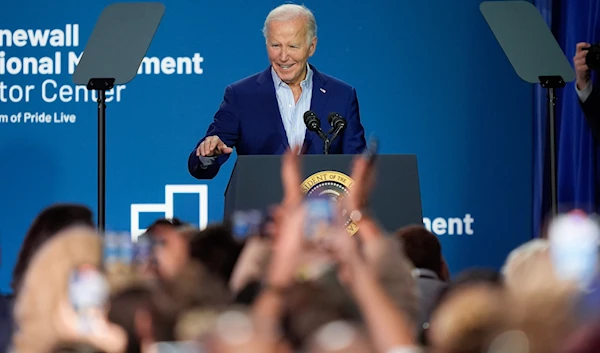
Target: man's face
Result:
[[171, 250], [289, 50]]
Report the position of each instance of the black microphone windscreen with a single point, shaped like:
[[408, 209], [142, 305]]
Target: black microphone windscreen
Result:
[[330, 118], [311, 121], [308, 115], [335, 120]]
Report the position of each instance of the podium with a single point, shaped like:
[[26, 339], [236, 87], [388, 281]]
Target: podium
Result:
[[255, 184]]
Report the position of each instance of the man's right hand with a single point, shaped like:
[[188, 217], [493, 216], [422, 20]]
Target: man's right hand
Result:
[[581, 68], [212, 146]]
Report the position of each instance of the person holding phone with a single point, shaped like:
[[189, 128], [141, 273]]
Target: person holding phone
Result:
[[589, 95]]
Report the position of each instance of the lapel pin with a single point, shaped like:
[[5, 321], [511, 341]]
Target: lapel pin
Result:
[[323, 90]]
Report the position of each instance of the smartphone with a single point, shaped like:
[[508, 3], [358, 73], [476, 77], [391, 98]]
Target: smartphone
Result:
[[88, 295], [320, 217], [246, 224], [574, 239]]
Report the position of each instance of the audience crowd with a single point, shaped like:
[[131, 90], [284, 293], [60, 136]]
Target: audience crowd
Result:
[[292, 286]]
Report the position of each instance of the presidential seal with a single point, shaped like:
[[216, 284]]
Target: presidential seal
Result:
[[331, 184]]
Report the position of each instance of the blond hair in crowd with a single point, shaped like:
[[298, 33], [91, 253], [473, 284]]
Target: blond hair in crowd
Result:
[[541, 303], [44, 293]]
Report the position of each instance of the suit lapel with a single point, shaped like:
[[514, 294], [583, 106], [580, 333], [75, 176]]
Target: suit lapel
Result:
[[318, 104], [268, 99]]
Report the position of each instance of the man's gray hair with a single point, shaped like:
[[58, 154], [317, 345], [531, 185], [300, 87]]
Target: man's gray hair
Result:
[[289, 12]]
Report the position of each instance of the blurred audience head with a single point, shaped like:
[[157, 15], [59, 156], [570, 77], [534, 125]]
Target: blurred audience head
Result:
[[422, 248], [48, 223], [519, 257], [130, 308], [159, 226], [146, 320], [170, 244], [469, 319], [543, 304], [340, 337], [216, 249], [310, 305]]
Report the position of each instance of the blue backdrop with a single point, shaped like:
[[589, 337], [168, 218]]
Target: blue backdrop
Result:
[[431, 80]]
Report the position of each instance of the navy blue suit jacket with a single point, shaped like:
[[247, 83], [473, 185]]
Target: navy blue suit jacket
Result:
[[591, 111], [249, 120]]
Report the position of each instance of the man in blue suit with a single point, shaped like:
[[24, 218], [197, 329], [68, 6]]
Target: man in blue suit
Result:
[[264, 113]]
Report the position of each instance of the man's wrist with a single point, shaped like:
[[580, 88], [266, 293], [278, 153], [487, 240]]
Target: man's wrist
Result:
[[585, 92], [582, 85]]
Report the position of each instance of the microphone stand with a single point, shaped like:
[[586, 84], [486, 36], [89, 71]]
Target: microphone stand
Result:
[[313, 124], [336, 133], [326, 145], [328, 142], [552, 83]]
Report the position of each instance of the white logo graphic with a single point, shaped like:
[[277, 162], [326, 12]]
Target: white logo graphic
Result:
[[167, 207]]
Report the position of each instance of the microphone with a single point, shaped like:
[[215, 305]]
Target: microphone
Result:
[[314, 124], [338, 123], [312, 121]]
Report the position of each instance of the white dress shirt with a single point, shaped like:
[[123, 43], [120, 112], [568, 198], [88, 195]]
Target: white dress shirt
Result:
[[584, 93], [292, 112]]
